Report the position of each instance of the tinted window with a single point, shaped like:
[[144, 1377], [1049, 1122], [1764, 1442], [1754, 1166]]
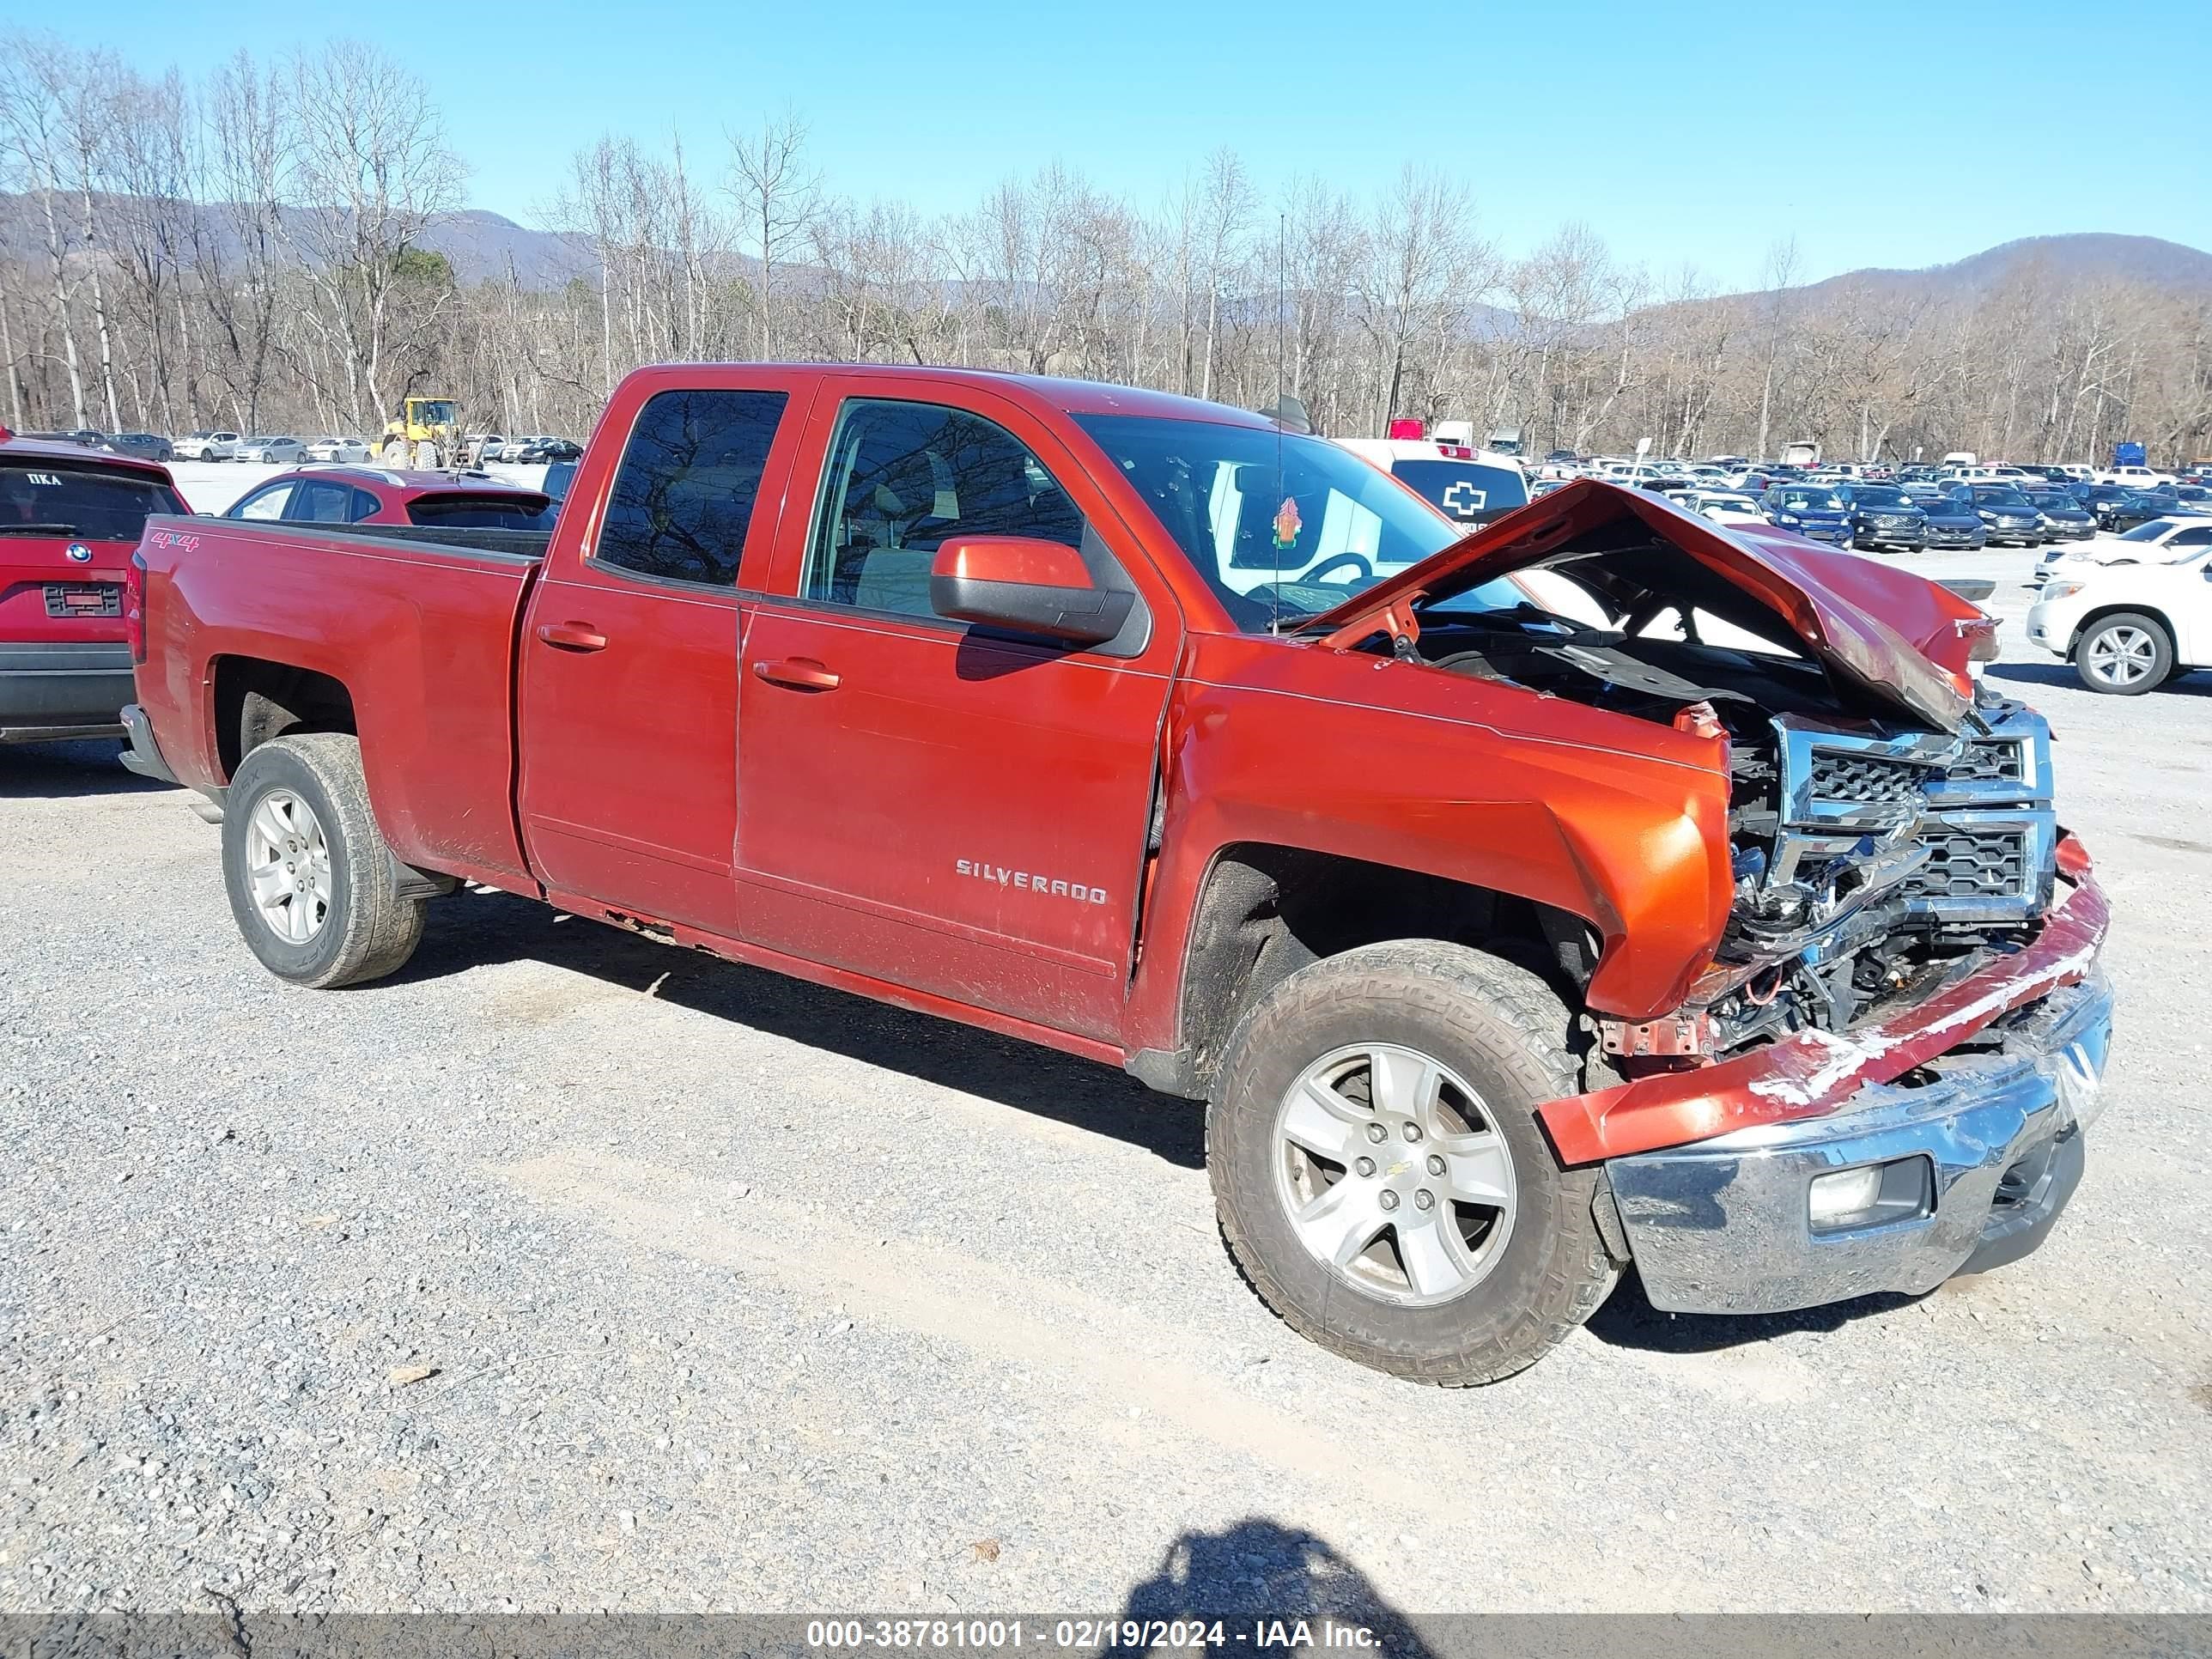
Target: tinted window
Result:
[[55, 499], [1466, 491], [481, 512], [322, 501], [901, 478], [1877, 496], [2147, 532], [683, 497]]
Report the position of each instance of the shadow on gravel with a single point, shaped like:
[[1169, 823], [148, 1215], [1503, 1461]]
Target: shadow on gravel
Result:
[[54, 771], [473, 929], [1629, 1321], [2062, 673], [1262, 1569]]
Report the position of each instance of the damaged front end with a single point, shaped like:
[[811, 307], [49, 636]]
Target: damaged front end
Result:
[[1883, 1073], [1871, 865]]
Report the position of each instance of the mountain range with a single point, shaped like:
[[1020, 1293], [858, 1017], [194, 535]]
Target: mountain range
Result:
[[482, 246]]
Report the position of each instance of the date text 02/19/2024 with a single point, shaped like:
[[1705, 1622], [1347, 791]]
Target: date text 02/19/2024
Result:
[[989, 1635]]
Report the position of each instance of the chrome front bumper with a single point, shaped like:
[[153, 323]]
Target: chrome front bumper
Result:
[[1724, 1225]]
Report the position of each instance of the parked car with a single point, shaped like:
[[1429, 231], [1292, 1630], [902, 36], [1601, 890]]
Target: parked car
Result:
[[2137, 477], [2128, 629], [1882, 515], [1048, 708], [70, 518], [205, 447], [1813, 511], [2117, 507], [2006, 514], [336, 449], [1951, 521], [1729, 507], [279, 451], [1470, 486], [142, 445], [82, 437], [2064, 519], [550, 449], [371, 495]]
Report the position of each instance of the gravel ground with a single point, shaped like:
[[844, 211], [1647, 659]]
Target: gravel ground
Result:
[[737, 1293]]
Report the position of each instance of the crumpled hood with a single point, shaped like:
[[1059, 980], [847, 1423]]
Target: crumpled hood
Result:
[[1896, 635]]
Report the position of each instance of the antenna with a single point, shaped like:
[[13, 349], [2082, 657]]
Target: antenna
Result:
[[1282, 261]]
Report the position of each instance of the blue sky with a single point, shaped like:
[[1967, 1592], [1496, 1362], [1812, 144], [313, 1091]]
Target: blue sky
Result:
[[1877, 134]]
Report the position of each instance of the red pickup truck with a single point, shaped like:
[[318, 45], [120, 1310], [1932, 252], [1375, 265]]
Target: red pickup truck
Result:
[[1603, 886]]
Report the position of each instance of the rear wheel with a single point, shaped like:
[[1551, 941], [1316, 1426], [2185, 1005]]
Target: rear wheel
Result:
[[314, 890], [1380, 1174], [2123, 655]]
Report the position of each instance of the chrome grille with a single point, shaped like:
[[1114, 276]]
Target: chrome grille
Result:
[[1987, 760], [1968, 863], [1867, 779]]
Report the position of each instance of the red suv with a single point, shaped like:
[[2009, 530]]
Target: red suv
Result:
[[70, 518], [376, 495]]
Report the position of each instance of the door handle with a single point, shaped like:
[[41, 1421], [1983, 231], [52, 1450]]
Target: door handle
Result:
[[800, 674], [572, 637]]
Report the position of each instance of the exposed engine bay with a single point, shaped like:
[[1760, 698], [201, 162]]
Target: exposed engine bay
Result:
[[1875, 858]]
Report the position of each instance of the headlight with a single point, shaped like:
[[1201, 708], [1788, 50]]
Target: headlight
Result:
[[2062, 590], [1786, 518]]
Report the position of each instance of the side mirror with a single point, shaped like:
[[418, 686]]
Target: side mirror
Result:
[[1024, 585]]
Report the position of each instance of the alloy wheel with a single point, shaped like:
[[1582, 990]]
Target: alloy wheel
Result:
[[1393, 1173]]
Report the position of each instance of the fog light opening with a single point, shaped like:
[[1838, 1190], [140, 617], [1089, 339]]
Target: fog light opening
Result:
[[1871, 1195]]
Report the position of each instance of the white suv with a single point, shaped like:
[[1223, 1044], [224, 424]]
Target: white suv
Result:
[[2128, 629], [205, 447]]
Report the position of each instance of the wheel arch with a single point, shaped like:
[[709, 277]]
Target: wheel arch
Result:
[[2148, 610], [257, 698], [1264, 909]]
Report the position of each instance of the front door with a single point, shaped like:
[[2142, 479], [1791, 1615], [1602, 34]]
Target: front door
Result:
[[629, 658], [960, 813]]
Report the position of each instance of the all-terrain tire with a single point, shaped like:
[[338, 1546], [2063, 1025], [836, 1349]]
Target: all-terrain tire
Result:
[[1500, 1028], [371, 927]]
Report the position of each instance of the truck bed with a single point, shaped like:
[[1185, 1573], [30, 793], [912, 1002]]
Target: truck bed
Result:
[[422, 647]]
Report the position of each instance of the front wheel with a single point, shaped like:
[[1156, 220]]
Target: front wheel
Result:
[[2123, 655], [1379, 1172], [313, 888]]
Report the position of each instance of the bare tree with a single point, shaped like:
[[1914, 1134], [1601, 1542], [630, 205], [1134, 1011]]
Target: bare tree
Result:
[[368, 168], [777, 195]]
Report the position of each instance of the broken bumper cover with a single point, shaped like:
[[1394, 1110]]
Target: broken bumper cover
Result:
[[1724, 1225]]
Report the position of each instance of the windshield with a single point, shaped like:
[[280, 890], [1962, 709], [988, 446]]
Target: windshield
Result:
[[48, 498], [1279, 526], [1815, 500], [2052, 501], [1879, 495], [2000, 495], [1466, 491], [2147, 532]]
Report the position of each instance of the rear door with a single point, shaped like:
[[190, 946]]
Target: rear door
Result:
[[952, 811], [629, 650]]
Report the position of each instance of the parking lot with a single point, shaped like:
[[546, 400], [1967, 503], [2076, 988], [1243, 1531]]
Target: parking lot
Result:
[[733, 1293]]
